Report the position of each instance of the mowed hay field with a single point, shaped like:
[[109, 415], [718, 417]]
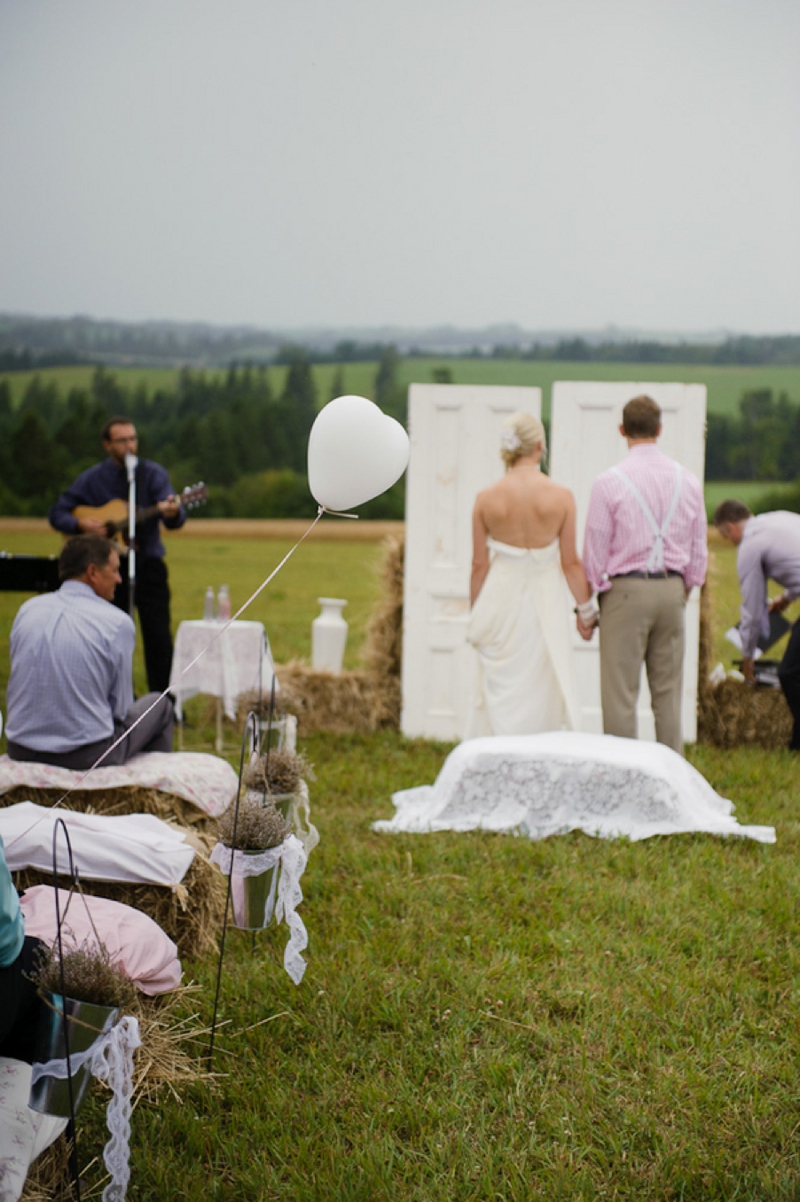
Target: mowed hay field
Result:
[[725, 384], [482, 1018]]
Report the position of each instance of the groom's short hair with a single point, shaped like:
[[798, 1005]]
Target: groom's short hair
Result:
[[641, 418]]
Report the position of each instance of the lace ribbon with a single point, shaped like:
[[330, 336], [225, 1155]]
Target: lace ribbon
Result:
[[110, 1059], [292, 859], [298, 816]]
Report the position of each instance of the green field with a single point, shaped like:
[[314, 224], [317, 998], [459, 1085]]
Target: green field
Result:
[[749, 492], [725, 384], [483, 1018], [286, 607]]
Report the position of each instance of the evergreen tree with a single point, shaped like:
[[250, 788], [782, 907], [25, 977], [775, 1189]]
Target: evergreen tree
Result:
[[389, 393]]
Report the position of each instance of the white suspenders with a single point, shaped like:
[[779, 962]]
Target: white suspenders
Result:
[[656, 561]]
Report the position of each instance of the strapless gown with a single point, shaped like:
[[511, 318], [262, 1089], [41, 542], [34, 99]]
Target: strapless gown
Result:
[[520, 627]]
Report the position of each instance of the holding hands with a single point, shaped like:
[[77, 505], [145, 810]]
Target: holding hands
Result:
[[588, 616]]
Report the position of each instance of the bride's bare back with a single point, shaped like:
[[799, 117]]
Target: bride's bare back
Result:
[[526, 509]]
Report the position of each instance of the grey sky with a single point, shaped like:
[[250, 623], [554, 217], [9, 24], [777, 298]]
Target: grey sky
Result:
[[558, 163]]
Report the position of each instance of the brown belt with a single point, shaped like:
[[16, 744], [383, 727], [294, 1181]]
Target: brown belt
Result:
[[647, 575]]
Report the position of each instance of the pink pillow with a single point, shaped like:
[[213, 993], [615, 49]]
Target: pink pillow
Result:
[[134, 941]]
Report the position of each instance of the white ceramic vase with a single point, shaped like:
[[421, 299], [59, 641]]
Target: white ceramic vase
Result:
[[328, 636]]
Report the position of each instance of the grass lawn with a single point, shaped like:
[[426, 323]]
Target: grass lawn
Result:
[[485, 1018]]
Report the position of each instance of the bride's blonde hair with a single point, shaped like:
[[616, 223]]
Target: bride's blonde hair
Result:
[[522, 434]]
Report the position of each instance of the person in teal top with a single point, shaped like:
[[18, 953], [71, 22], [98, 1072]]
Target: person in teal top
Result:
[[19, 1002], [12, 924]]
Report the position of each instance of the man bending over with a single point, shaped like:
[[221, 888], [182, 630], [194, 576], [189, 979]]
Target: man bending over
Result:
[[70, 694]]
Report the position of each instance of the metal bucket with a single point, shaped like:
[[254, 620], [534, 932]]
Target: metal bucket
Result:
[[253, 897], [86, 1022], [283, 804]]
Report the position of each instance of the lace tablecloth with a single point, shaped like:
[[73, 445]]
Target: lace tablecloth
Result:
[[234, 660], [548, 784]]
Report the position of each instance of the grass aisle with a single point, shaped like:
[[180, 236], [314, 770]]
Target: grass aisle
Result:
[[484, 1018], [488, 1018]]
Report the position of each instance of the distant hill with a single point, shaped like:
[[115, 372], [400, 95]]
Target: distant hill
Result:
[[27, 342]]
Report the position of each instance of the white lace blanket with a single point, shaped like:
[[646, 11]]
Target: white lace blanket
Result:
[[548, 784], [204, 780]]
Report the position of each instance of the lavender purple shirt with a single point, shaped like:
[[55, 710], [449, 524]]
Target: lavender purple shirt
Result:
[[618, 536], [769, 550]]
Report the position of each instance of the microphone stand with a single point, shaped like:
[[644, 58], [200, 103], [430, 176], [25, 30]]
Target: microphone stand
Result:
[[130, 464]]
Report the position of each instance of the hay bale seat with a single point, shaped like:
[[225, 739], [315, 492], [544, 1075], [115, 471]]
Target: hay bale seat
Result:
[[169, 1058], [191, 788], [191, 914]]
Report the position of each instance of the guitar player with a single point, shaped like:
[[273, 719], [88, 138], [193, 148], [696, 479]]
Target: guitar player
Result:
[[108, 481]]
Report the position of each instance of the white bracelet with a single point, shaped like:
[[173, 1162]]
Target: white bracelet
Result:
[[587, 612]]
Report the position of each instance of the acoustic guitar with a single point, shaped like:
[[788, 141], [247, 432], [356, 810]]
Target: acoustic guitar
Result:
[[114, 514]]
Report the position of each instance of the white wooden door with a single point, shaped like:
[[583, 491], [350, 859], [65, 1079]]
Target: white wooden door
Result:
[[455, 451], [585, 419]]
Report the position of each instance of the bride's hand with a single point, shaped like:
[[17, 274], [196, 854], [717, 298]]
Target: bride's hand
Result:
[[586, 632]]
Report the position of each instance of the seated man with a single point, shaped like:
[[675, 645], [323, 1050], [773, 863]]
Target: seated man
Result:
[[70, 694]]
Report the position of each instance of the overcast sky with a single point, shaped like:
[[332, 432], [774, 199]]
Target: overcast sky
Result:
[[284, 163]]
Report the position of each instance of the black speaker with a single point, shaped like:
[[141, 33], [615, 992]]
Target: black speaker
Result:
[[28, 573]]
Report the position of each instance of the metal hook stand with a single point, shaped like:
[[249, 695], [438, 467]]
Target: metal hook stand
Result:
[[251, 728], [73, 876]]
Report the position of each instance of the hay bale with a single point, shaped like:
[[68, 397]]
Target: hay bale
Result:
[[356, 702], [733, 714], [350, 702], [170, 1057], [736, 715], [383, 649], [132, 799], [191, 915]]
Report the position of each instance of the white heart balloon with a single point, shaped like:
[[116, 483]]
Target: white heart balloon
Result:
[[355, 452]]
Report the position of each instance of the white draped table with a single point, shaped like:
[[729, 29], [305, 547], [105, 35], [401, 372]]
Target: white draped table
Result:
[[234, 660]]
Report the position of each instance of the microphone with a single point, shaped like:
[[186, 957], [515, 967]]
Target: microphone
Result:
[[130, 463]]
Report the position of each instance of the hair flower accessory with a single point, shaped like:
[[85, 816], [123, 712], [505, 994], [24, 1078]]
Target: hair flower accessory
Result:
[[510, 440]]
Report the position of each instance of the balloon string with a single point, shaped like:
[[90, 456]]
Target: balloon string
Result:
[[337, 513], [218, 635]]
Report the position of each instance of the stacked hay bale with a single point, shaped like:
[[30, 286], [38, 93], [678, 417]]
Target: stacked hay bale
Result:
[[191, 913], [168, 1060], [357, 701], [130, 799]]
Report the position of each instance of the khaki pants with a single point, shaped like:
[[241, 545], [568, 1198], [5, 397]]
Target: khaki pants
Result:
[[642, 621]]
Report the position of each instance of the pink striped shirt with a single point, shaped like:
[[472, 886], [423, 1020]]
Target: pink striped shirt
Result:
[[619, 537]]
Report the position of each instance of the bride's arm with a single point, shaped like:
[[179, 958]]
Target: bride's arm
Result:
[[570, 563], [480, 553]]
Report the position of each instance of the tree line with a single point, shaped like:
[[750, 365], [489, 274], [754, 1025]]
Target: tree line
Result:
[[248, 442], [231, 431]]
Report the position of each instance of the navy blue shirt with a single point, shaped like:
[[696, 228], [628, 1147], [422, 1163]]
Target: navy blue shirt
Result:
[[108, 481]]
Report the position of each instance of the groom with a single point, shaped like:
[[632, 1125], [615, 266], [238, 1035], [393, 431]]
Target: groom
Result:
[[645, 548]]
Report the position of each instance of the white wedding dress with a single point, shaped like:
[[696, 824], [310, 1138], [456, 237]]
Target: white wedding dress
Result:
[[520, 628], [548, 784]]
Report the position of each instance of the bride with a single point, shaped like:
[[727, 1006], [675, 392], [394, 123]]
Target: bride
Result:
[[524, 557]]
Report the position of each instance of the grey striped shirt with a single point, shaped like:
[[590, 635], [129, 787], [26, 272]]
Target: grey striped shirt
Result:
[[769, 550]]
